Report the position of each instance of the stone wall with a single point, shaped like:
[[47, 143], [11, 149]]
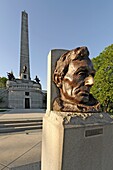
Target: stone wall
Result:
[[3, 97], [14, 96]]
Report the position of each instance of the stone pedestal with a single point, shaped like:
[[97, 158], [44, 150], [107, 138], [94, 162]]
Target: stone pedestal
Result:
[[74, 141], [77, 141]]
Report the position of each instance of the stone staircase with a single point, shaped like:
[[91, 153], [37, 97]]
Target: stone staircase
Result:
[[20, 125]]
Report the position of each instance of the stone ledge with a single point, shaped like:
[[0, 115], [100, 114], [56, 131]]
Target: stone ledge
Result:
[[79, 119]]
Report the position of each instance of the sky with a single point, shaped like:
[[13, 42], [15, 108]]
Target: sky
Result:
[[53, 24]]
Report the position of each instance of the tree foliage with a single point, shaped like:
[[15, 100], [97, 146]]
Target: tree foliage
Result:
[[103, 86], [3, 82]]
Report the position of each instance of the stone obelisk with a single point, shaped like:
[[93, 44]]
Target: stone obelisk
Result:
[[24, 48]]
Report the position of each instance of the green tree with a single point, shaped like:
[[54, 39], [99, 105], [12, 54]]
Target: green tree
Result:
[[103, 86], [3, 82]]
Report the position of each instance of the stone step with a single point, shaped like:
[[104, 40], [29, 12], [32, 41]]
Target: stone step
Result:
[[19, 124], [7, 126], [19, 129], [20, 121]]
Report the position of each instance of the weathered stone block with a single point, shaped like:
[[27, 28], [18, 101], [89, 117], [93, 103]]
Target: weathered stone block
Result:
[[52, 90], [76, 142]]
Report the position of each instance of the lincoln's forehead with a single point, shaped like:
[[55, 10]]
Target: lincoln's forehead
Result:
[[82, 62], [74, 65]]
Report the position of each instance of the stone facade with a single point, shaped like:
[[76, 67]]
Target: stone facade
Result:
[[24, 94], [3, 98]]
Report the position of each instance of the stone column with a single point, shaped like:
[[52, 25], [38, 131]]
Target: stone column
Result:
[[24, 48]]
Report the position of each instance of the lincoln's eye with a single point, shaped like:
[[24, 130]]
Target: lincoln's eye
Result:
[[82, 73]]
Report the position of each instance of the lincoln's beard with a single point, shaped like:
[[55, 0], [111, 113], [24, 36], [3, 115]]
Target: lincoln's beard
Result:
[[79, 94], [75, 99]]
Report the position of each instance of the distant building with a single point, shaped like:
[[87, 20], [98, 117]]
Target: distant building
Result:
[[23, 92]]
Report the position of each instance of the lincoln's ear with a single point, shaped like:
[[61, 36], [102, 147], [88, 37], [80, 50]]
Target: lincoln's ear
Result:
[[58, 80]]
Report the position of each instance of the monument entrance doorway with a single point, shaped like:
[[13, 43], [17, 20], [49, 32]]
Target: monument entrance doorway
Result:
[[27, 103]]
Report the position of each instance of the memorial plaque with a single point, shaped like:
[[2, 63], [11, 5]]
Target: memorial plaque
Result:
[[93, 132]]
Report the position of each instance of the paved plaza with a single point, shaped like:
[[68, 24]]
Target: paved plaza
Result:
[[17, 150]]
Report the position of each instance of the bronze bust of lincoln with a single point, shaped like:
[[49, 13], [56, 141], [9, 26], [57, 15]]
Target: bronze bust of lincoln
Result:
[[74, 76]]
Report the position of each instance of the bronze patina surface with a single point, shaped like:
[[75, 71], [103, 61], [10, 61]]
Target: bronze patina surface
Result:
[[74, 76]]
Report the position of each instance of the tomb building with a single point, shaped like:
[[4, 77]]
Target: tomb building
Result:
[[24, 92]]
